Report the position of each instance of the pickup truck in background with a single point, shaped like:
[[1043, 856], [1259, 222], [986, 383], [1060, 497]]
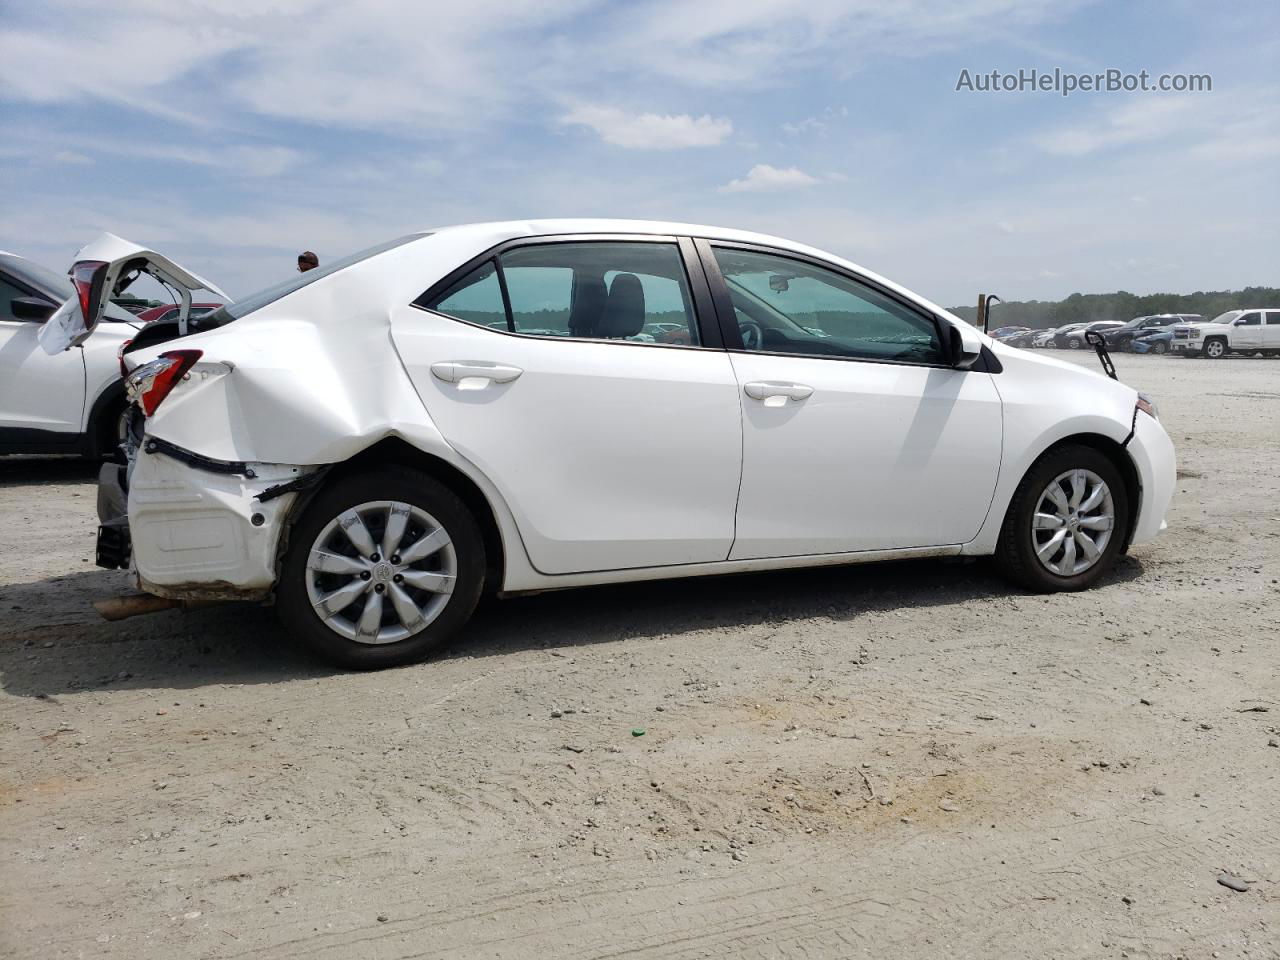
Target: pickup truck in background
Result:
[[1236, 331]]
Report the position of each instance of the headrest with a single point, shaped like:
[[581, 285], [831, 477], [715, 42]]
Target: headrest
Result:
[[624, 311], [589, 296]]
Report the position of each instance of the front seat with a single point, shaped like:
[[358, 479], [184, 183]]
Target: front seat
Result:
[[587, 306], [624, 310]]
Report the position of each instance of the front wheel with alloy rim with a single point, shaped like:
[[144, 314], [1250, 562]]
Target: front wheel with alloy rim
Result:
[[1215, 349], [1067, 521], [381, 569]]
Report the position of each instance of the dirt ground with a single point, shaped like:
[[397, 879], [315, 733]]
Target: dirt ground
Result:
[[897, 760]]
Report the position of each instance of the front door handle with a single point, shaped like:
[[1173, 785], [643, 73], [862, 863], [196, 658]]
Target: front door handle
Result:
[[474, 374], [775, 393]]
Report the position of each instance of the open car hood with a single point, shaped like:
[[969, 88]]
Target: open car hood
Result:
[[104, 269]]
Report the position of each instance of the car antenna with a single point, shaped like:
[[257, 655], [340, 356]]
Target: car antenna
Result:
[[985, 300], [1099, 343]]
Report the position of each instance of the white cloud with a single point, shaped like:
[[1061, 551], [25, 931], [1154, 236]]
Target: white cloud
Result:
[[804, 126], [1225, 129], [246, 160], [71, 158], [816, 125], [762, 178], [650, 131], [404, 66], [1148, 118]]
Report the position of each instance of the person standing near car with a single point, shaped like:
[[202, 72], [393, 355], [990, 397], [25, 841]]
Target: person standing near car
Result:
[[307, 261]]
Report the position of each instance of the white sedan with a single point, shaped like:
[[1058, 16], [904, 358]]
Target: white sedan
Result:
[[374, 443]]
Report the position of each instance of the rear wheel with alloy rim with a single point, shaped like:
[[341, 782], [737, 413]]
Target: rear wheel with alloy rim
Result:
[[1159, 347], [1066, 523], [381, 569]]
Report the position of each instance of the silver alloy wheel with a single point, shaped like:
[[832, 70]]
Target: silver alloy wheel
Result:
[[1214, 349], [381, 571], [1073, 522]]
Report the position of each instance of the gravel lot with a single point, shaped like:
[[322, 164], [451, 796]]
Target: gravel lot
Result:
[[908, 759]]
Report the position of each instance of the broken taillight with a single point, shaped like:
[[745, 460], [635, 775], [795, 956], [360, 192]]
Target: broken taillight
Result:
[[88, 277], [124, 371], [148, 385]]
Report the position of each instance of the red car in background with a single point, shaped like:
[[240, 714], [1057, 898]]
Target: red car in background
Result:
[[169, 311]]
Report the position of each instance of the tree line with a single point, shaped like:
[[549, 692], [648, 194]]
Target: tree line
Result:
[[1121, 305]]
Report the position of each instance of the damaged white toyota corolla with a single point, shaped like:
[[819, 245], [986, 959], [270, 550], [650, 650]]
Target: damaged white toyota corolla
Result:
[[529, 406]]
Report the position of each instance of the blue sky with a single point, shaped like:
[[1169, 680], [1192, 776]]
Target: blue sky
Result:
[[233, 135]]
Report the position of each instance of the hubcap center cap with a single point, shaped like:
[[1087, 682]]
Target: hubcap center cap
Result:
[[382, 572]]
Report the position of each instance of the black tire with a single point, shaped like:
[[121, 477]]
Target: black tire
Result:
[[1075, 343], [1126, 345], [386, 483], [1215, 348], [1159, 347], [107, 431], [1015, 556]]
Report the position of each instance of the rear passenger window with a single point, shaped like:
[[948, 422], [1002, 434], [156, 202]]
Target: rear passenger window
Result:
[[599, 290]]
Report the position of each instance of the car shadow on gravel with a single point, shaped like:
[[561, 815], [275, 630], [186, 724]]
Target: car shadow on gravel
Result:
[[52, 642], [661, 608], [24, 471]]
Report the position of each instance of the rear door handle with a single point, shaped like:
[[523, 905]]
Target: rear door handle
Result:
[[474, 374], [775, 393]]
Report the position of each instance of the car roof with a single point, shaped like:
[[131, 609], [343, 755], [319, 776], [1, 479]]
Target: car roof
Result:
[[572, 225]]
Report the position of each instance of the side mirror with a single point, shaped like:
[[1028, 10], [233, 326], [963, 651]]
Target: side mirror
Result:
[[36, 309], [966, 346]]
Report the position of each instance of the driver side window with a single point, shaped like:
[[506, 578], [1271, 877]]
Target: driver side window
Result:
[[791, 306]]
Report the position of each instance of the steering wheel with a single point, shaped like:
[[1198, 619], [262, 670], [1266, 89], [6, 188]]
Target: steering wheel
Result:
[[752, 334]]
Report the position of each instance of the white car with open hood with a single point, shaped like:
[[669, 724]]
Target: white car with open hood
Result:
[[374, 443]]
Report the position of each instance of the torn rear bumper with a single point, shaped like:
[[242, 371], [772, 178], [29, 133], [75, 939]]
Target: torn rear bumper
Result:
[[203, 534], [113, 547]]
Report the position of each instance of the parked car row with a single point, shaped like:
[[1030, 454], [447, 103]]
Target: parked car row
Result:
[[1187, 334]]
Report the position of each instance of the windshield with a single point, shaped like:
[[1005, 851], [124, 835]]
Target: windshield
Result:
[[1222, 317], [234, 311]]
